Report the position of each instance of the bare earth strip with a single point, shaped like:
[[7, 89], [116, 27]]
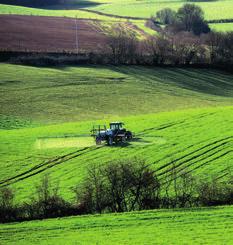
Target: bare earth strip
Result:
[[49, 34]]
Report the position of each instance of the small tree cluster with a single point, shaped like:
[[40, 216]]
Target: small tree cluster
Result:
[[119, 187], [189, 17], [123, 46]]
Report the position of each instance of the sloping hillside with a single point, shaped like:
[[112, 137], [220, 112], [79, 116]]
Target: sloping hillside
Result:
[[199, 141]]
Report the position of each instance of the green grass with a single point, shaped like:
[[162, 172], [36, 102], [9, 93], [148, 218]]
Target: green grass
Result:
[[52, 95], [71, 99], [185, 226], [214, 10], [222, 27], [183, 117]]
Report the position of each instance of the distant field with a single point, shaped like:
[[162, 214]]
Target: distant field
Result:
[[18, 10], [223, 27], [185, 226], [51, 34], [65, 94], [213, 9]]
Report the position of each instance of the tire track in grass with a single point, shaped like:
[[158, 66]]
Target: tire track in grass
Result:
[[160, 127], [190, 153], [206, 154], [201, 165], [197, 161], [171, 124], [44, 166], [40, 165]]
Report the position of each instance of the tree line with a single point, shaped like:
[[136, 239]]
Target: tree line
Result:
[[170, 48], [121, 186]]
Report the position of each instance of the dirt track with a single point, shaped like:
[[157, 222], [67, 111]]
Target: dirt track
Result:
[[53, 34]]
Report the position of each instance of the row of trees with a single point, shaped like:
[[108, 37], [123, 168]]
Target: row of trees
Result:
[[119, 187], [169, 48], [189, 17]]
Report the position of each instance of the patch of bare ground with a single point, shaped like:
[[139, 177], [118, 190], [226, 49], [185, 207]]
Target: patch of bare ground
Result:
[[49, 34]]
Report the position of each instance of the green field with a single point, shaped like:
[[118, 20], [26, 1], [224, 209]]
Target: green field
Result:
[[214, 10], [63, 94], [193, 226], [222, 27], [181, 118], [34, 97]]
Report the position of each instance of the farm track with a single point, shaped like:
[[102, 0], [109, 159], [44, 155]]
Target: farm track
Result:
[[46, 165], [113, 15]]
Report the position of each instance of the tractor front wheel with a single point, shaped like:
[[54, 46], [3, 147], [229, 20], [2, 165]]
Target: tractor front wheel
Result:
[[110, 141]]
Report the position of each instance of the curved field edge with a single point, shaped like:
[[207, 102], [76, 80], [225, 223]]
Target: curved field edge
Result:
[[184, 226], [199, 141]]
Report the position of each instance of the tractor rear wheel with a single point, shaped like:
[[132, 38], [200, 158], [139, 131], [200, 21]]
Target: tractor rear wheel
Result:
[[98, 141]]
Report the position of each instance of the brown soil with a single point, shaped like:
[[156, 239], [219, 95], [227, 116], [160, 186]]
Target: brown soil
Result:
[[49, 34]]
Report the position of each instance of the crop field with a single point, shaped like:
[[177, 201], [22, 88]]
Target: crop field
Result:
[[213, 9], [222, 27], [50, 33], [181, 120], [34, 97], [80, 14], [111, 12], [66, 94], [129, 8], [192, 226]]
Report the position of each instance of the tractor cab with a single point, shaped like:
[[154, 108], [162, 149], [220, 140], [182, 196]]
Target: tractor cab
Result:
[[116, 126]]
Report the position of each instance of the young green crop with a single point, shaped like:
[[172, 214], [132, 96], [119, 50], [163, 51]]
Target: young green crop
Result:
[[200, 141], [184, 226], [65, 94]]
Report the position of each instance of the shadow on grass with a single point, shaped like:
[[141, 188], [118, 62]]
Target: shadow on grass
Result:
[[206, 81], [72, 5]]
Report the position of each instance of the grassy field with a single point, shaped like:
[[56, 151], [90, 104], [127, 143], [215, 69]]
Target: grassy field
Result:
[[193, 226], [214, 10], [18, 10], [67, 94], [130, 8], [33, 97], [222, 27]]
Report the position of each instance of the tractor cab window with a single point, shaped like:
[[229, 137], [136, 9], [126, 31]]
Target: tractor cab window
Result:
[[116, 126]]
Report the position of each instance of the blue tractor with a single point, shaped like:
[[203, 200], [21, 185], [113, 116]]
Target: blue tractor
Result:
[[114, 135]]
